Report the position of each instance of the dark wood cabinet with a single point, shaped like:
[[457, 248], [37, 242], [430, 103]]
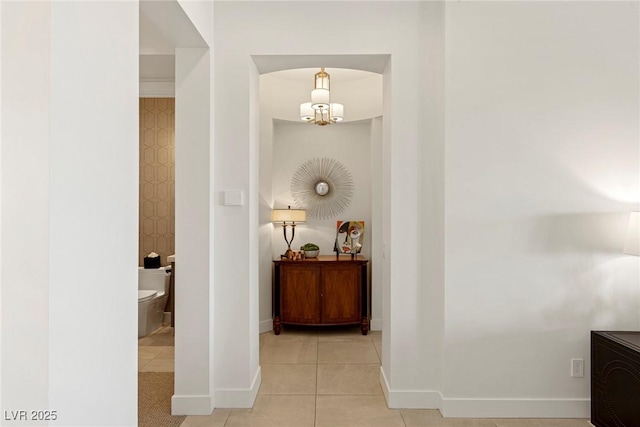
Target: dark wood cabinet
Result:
[[615, 379], [300, 294], [326, 290]]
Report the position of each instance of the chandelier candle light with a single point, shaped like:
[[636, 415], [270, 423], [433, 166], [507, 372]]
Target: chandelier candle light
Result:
[[320, 110]]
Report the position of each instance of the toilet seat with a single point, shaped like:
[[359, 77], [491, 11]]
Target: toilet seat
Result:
[[146, 295]]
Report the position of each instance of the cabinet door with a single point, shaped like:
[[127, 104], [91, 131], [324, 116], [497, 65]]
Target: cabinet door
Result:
[[341, 294], [300, 294]]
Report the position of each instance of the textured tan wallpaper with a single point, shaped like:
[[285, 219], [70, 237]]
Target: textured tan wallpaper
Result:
[[157, 177]]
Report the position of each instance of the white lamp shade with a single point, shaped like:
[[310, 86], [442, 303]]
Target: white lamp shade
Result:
[[288, 215], [337, 112], [320, 99], [306, 112], [632, 244]]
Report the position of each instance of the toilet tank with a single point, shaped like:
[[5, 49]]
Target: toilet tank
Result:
[[154, 279]]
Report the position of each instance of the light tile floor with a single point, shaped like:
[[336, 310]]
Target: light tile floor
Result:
[[155, 351], [330, 378]]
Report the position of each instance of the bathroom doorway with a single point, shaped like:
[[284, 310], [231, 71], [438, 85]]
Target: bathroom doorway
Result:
[[172, 165], [157, 221], [156, 317]]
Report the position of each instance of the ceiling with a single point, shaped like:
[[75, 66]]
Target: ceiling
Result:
[[157, 67], [162, 67], [337, 74], [164, 25]]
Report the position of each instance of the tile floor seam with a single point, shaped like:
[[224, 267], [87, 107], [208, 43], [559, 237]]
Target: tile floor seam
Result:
[[281, 364], [347, 395], [226, 419], [343, 363], [346, 363], [403, 420]]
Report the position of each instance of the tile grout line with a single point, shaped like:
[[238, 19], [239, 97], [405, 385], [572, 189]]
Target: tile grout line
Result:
[[403, 420], [228, 416]]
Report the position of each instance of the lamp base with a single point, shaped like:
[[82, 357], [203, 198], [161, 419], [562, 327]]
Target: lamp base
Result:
[[293, 255], [288, 254]]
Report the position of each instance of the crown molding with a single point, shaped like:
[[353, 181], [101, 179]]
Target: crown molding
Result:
[[157, 88]]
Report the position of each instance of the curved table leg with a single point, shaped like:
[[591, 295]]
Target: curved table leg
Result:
[[364, 326], [277, 325]]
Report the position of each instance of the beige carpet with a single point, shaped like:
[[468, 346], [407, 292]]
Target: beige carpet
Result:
[[154, 400]]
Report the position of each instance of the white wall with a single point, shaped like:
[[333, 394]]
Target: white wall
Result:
[[348, 143], [542, 163], [200, 13], [68, 334], [25, 205], [194, 338], [377, 223], [243, 29], [235, 161], [265, 202]]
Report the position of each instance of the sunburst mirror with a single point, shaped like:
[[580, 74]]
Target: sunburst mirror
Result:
[[323, 187]]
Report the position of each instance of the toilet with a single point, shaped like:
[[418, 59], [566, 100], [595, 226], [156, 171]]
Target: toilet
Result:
[[153, 292]]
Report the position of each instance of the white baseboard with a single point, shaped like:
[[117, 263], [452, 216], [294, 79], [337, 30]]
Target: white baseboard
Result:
[[409, 399], [265, 326], [166, 318], [516, 408], [376, 325], [191, 405], [239, 398], [385, 385], [484, 408]]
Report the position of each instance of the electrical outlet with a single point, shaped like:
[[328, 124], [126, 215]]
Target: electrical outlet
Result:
[[577, 368]]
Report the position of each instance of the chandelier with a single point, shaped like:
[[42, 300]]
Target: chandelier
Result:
[[320, 110]]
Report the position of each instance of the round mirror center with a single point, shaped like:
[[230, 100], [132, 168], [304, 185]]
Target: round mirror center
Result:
[[322, 188]]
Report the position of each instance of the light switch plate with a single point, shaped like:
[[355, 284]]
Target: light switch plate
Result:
[[232, 198]]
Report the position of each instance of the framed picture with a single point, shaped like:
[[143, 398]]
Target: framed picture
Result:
[[349, 237]]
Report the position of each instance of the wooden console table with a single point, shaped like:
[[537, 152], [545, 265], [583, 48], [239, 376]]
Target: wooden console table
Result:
[[326, 290], [615, 379]]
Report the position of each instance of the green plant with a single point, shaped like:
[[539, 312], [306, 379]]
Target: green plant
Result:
[[310, 247]]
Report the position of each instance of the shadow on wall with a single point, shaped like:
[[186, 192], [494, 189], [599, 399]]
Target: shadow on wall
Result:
[[600, 233], [552, 272], [599, 283]]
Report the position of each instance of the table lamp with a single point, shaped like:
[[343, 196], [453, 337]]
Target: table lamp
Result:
[[288, 217]]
